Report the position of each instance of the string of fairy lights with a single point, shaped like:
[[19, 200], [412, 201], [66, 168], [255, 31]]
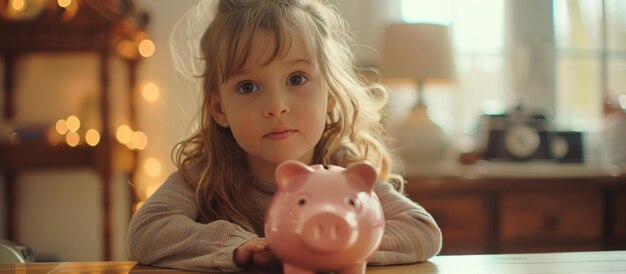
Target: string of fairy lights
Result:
[[70, 131]]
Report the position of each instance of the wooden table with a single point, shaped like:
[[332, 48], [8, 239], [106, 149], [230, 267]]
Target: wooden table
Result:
[[566, 262]]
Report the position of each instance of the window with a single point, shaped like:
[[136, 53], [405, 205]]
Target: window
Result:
[[590, 39], [587, 58]]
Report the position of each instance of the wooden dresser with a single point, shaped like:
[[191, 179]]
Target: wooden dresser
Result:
[[525, 212]]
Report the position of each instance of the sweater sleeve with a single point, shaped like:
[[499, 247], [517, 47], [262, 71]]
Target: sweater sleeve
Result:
[[164, 233], [411, 234]]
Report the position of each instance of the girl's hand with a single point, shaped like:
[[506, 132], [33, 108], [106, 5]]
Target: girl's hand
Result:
[[257, 251]]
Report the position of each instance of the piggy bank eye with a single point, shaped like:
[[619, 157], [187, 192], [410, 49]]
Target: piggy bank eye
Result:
[[353, 202], [301, 201]]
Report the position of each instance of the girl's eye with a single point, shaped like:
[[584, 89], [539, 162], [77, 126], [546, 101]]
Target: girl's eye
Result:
[[247, 87], [297, 79]]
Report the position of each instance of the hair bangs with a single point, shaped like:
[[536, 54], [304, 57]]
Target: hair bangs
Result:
[[284, 25]]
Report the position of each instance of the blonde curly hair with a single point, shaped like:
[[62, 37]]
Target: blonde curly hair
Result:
[[212, 161]]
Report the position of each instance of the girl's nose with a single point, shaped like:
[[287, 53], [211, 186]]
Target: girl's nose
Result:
[[276, 105], [276, 109]]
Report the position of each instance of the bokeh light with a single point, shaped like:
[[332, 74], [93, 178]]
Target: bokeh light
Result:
[[124, 134], [146, 48], [151, 189], [64, 3], [72, 139], [152, 166], [140, 140], [61, 126], [92, 137], [18, 5], [73, 123], [150, 91]]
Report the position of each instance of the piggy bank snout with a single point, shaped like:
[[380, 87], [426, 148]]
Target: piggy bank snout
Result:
[[327, 231]]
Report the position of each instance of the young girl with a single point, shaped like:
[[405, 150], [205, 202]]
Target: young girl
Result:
[[280, 82]]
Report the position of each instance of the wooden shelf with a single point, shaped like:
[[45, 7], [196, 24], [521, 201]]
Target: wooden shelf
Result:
[[27, 156], [88, 30], [97, 27], [40, 155]]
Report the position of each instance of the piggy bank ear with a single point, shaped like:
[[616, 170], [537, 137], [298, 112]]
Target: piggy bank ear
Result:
[[366, 174], [287, 171]]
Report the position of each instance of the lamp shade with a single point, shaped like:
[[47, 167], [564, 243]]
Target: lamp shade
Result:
[[423, 53], [418, 51]]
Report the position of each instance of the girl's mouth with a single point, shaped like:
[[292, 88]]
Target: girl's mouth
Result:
[[280, 133]]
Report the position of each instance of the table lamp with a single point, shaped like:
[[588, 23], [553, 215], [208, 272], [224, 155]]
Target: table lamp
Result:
[[422, 52]]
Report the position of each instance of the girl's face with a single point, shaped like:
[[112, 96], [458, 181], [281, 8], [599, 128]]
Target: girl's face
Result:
[[276, 110]]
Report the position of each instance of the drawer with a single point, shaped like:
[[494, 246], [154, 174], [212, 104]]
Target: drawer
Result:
[[619, 216], [463, 220], [551, 217]]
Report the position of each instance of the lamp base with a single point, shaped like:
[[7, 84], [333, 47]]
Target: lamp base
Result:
[[419, 140]]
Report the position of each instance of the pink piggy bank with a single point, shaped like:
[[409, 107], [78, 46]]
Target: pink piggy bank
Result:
[[324, 219]]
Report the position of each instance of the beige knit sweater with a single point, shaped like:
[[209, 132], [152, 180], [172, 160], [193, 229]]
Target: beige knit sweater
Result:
[[166, 231]]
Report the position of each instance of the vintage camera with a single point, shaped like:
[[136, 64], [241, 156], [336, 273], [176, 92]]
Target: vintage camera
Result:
[[518, 136]]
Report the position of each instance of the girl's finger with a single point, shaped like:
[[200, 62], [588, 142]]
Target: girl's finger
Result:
[[265, 259]]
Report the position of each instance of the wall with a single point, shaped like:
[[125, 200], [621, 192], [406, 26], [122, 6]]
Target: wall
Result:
[[367, 20]]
